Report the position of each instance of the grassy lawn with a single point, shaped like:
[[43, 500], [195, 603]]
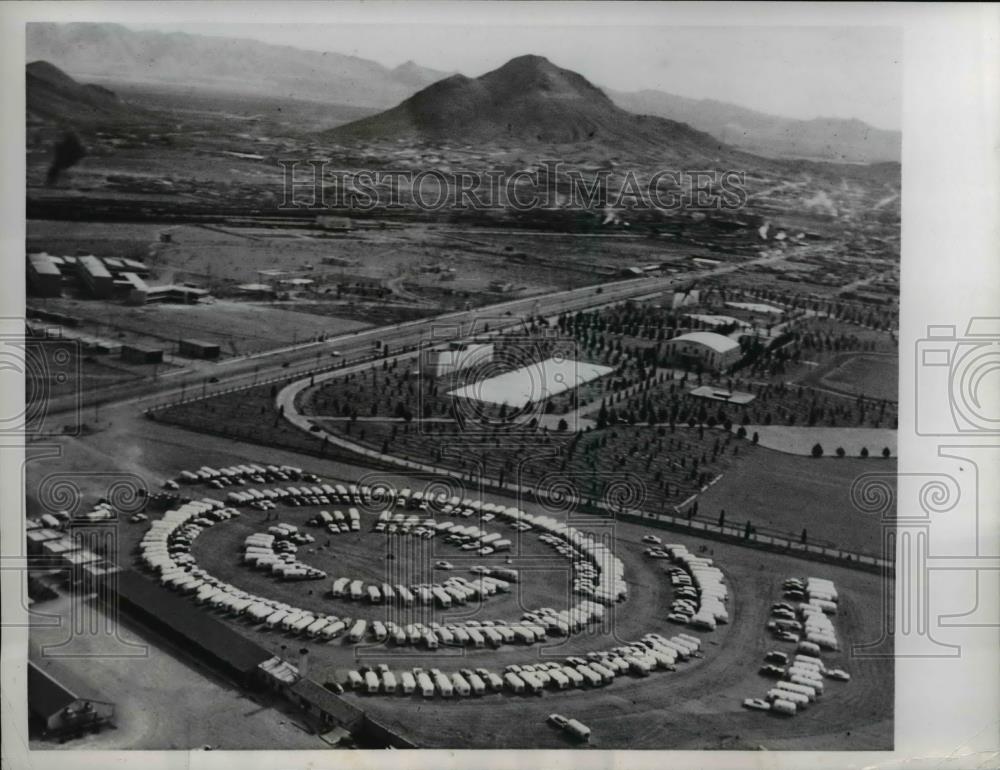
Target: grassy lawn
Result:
[[789, 493]]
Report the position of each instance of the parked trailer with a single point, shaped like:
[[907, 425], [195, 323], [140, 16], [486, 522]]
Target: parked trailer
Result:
[[300, 625], [408, 683], [388, 682], [461, 686], [425, 684], [444, 685], [575, 678], [356, 590], [358, 631], [807, 681], [810, 648], [783, 706], [340, 586], [514, 682], [405, 596], [800, 700], [531, 682], [371, 682], [313, 630], [443, 598], [334, 629], [354, 680], [374, 595], [476, 683], [558, 679], [590, 676], [806, 690]]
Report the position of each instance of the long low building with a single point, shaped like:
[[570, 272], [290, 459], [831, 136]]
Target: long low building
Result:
[[59, 707], [706, 349]]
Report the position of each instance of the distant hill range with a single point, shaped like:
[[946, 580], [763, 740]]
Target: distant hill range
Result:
[[528, 100], [116, 53], [834, 139], [53, 97], [113, 53]]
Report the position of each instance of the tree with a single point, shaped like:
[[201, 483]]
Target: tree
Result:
[[747, 530], [886, 453], [817, 450], [722, 518], [804, 537], [864, 451], [563, 425], [840, 451], [755, 438]]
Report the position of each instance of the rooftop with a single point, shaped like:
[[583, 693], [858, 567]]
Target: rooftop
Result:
[[716, 342]]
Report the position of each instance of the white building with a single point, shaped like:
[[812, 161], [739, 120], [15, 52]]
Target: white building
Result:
[[710, 350]]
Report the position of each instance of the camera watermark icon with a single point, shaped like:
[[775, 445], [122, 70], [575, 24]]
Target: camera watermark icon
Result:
[[568, 493], [49, 372], [962, 372]]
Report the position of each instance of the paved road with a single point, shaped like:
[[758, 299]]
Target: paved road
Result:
[[302, 358]]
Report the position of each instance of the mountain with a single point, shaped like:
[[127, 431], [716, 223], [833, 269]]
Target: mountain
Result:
[[527, 100], [845, 141], [412, 74], [115, 53], [52, 96]]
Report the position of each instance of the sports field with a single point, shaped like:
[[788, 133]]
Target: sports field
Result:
[[532, 383]]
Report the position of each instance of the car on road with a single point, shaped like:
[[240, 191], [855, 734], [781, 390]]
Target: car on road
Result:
[[837, 673], [652, 539], [758, 704], [776, 656], [787, 636], [772, 671], [571, 726], [676, 617]]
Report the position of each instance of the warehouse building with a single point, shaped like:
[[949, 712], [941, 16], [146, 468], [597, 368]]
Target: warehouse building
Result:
[[198, 349], [59, 708], [135, 289], [95, 277], [139, 354], [705, 349], [175, 293], [44, 276], [180, 621]]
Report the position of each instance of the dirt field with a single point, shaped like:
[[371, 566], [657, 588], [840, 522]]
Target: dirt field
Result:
[[696, 707], [240, 328]]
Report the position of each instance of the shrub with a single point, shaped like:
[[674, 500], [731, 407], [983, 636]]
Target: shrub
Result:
[[886, 453], [817, 450], [864, 451], [840, 451]]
